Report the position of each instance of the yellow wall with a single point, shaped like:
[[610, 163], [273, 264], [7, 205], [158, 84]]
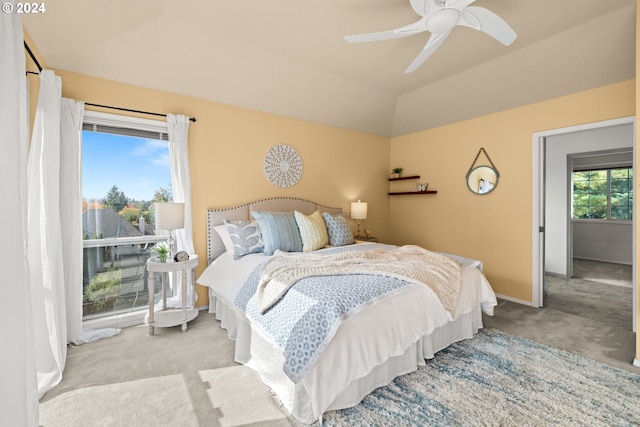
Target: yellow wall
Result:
[[495, 228], [227, 146]]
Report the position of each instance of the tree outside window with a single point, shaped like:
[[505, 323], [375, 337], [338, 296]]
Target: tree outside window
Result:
[[603, 194]]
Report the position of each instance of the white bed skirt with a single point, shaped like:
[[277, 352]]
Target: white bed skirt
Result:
[[311, 397]]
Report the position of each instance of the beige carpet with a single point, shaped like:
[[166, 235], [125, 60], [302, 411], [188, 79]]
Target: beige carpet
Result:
[[190, 379], [169, 379]]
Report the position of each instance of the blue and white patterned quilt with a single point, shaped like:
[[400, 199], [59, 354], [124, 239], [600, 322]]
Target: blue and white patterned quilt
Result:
[[306, 319]]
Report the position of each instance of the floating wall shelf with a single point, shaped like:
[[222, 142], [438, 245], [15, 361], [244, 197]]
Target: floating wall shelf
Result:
[[405, 177], [413, 192], [397, 193]]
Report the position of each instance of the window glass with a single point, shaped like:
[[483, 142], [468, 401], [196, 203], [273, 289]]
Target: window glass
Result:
[[123, 174], [603, 194]]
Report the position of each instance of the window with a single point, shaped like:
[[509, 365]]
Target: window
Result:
[[125, 169], [603, 194]]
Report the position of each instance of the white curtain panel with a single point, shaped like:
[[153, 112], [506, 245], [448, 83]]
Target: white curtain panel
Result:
[[18, 391], [178, 127], [71, 117], [46, 267]]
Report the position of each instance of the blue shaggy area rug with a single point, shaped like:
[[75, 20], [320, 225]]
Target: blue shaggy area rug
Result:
[[501, 380]]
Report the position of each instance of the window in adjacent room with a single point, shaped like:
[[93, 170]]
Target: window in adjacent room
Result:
[[125, 169], [605, 194]]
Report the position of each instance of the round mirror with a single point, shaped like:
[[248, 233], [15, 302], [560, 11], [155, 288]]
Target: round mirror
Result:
[[482, 179]]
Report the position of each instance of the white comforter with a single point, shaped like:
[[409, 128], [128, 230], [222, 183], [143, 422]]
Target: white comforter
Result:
[[369, 349]]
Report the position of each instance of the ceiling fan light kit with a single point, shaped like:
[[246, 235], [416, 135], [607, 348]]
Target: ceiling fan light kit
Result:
[[439, 18]]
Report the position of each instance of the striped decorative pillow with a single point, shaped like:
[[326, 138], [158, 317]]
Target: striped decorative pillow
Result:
[[279, 231], [313, 231]]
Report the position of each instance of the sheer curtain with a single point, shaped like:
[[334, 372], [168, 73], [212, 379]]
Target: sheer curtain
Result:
[[72, 113], [54, 238], [178, 127], [46, 273], [18, 389]]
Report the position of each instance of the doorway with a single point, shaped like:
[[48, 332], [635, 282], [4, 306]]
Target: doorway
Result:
[[545, 227]]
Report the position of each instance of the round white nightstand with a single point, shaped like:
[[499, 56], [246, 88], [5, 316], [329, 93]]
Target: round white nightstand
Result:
[[172, 316]]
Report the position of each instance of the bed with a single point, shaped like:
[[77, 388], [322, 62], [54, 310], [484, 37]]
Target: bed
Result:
[[389, 335]]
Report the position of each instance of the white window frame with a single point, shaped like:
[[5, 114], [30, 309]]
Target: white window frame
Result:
[[116, 120], [136, 317]]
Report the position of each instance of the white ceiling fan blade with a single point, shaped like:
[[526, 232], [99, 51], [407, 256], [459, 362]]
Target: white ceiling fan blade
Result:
[[419, 6], [484, 20], [434, 42], [407, 30], [459, 4], [427, 7]]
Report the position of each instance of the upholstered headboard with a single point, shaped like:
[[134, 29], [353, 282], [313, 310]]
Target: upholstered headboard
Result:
[[215, 247]]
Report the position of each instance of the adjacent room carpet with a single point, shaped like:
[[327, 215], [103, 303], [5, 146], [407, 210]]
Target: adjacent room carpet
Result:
[[501, 380]]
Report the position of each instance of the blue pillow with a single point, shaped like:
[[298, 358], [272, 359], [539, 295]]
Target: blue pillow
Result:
[[279, 231], [245, 237], [340, 233]]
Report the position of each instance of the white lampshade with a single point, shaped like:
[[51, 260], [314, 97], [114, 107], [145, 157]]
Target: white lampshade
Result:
[[359, 210], [169, 216]]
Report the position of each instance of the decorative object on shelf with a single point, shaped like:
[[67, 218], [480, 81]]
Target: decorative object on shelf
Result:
[[396, 172], [170, 217], [181, 257], [422, 187], [283, 166], [367, 233], [161, 249], [482, 179], [358, 212]]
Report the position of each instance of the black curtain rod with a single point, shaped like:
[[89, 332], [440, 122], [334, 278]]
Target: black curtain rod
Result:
[[193, 119], [33, 57], [26, 46]]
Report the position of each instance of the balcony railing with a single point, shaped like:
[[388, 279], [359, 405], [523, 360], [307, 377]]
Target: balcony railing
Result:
[[114, 274]]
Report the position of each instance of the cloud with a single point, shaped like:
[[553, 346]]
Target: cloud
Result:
[[154, 151]]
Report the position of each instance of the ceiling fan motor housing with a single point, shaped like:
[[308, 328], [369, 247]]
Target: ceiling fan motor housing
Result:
[[442, 21]]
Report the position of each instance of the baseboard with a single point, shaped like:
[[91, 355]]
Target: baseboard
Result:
[[550, 273], [516, 300], [604, 260], [636, 362]]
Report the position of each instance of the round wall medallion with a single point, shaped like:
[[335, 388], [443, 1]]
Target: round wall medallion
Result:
[[283, 166]]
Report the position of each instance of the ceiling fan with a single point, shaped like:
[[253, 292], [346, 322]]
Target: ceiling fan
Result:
[[439, 17]]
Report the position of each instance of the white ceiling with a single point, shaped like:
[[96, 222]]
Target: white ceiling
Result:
[[289, 57]]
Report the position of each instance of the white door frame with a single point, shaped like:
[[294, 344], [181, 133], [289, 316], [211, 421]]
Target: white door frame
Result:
[[537, 210]]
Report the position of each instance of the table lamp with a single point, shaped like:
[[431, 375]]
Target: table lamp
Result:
[[358, 212], [169, 216]]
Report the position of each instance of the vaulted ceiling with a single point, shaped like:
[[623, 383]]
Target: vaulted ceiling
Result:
[[289, 57]]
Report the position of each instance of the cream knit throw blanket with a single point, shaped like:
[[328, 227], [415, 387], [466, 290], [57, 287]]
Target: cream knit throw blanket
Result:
[[411, 263]]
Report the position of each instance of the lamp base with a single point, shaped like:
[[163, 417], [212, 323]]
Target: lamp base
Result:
[[170, 256]]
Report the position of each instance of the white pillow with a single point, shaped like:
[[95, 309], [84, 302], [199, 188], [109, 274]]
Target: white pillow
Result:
[[224, 235]]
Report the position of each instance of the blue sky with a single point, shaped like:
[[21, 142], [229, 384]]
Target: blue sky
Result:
[[137, 166]]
